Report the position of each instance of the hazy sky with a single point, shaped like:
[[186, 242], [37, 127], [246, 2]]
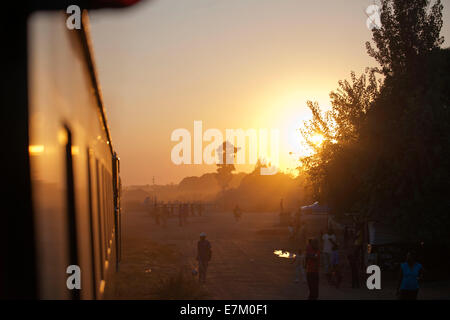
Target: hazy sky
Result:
[[229, 63]]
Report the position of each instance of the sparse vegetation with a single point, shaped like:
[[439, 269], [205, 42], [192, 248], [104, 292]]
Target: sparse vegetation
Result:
[[180, 287]]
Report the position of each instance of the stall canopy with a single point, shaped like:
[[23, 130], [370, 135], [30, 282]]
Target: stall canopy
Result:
[[315, 208], [382, 234]]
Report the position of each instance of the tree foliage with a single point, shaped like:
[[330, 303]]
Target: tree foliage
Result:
[[386, 149], [409, 30]]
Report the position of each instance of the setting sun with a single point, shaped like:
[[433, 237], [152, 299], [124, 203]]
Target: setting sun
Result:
[[317, 139]]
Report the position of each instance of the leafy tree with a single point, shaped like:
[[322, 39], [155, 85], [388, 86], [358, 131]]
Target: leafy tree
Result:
[[225, 168], [386, 149], [408, 31]]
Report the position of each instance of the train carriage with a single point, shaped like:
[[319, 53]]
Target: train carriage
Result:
[[61, 170]]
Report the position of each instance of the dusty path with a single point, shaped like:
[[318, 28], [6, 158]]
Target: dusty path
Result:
[[243, 264]]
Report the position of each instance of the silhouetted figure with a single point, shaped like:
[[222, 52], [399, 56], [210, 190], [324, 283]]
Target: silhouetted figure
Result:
[[185, 213], [302, 235], [336, 276], [164, 214], [237, 213], [200, 209], [312, 258], [299, 263], [353, 261], [204, 254], [328, 241], [180, 214], [171, 209], [192, 209], [157, 214], [346, 236]]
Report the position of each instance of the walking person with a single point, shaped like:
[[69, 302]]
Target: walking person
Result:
[[299, 263], [312, 262], [329, 240], [410, 273], [204, 254]]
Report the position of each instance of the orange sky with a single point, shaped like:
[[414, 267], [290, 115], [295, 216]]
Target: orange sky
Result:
[[231, 64]]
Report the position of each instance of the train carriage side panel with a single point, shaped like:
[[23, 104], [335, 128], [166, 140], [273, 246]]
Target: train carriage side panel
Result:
[[63, 104]]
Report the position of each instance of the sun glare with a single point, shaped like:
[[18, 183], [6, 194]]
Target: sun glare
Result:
[[317, 139]]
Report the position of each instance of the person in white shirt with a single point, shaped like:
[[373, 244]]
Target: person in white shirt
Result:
[[328, 240], [299, 262]]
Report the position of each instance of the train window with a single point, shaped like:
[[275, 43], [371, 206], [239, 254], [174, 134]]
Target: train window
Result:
[[100, 237], [105, 213], [71, 211], [94, 254]]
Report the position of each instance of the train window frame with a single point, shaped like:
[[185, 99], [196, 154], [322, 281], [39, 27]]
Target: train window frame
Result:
[[94, 262], [100, 226], [71, 211]]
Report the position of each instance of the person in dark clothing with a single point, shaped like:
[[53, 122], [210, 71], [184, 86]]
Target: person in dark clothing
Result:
[[204, 254], [185, 212], [192, 209], [180, 214], [312, 261], [200, 209], [157, 213], [237, 213], [346, 236], [353, 261]]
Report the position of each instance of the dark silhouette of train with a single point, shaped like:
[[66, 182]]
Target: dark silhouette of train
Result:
[[60, 181]]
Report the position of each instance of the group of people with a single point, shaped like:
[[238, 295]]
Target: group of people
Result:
[[307, 266], [161, 211], [188, 209]]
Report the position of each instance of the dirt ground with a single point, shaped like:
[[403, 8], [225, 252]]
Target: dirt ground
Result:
[[243, 265]]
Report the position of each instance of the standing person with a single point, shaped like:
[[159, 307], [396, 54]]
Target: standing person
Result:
[[346, 236], [170, 209], [291, 230], [204, 254], [157, 214], [185, 212], [335, 269], [180, 214], [200, 209], [303, 235], [329, 240], [353, 261], [312, 262], [237, 212], [410, 273], [299, 262], [164, 214]]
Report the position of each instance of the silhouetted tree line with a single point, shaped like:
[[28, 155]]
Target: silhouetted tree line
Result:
[[387, 135]]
